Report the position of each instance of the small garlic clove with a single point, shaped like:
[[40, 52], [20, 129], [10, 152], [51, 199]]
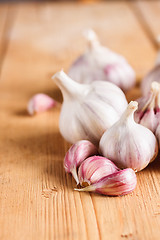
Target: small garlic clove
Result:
[[40, 103], [99, 63], [89, 109], [118, 183], [95, 168], [76, 155], [148, 112], [128, 144]]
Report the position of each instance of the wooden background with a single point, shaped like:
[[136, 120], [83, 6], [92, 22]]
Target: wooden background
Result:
[[37, 200]]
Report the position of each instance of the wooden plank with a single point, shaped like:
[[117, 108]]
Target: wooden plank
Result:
[[37, 200], [149, 12]]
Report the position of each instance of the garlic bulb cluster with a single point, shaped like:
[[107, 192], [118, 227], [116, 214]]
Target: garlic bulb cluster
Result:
[[94, 169], [128, 144], [100, 63], [148, 112], [40, 103], [76, 155], [119, 183], [88, 109]]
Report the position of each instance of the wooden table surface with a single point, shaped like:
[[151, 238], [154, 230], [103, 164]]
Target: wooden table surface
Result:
[[37, 200]]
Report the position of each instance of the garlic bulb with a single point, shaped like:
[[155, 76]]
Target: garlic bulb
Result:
[[95, 168], [100, 63], [118, 183], [40, 103], [76, 155], [148, 112], [129, 144], [88, 109]]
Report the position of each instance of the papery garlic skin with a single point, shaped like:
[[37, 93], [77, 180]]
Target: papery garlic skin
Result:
[[76, 155], [95, 168], [40, 103], [88, 109], [118, 183], [100, 63], [128, 144], [148, 112]]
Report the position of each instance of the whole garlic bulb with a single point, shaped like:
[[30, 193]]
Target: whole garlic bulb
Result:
[[118, 183], [88, 109], [95, 168], [100, 63], [128, 144], [148, 112]]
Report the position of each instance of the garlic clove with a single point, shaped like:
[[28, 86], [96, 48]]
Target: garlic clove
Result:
[[100, 63], [118, 183], [89, 109], [40, 103], [95, 168], [76, 155], [128, 144], [148, 112]]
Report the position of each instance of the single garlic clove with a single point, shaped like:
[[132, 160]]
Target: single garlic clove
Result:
[[76, 155], [88, 109], [95, 168], [148, 112], [118, 183], [128, 144], [99, 63], [40, 103]]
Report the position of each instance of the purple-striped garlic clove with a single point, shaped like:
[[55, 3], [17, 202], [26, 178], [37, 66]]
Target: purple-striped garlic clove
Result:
[[40, 103], [100, 63], [128, 144], [95, 168], [118, 183], [76, 155], [148, 112]]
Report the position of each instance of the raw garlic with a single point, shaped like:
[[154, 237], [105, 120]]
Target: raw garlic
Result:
[[76, 155], [100, 63], [94, 169], [148, 112], [88, 109], [40, 103], [118, 183], [128, 144]]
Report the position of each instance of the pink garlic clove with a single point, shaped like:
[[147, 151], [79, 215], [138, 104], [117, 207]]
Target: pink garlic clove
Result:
[[148, 112], [40, 103], [76, 155], [95, 168], [118, 183]]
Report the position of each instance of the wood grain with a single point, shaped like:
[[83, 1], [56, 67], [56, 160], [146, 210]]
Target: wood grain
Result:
[[37, 200]]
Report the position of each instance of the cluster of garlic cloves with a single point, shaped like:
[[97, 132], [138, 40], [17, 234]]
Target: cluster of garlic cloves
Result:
[[128, 144], [148, 112], [77, 153], [100, 63], [88, 109], [40, 103]]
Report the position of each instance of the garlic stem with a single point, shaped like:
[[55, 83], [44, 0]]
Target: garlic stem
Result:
[[132, 107], [67, 85], [92, 38]]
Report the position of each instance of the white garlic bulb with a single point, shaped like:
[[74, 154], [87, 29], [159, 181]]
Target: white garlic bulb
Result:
[[100, 63], [88, 109], [148, 112], [128, 144]]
